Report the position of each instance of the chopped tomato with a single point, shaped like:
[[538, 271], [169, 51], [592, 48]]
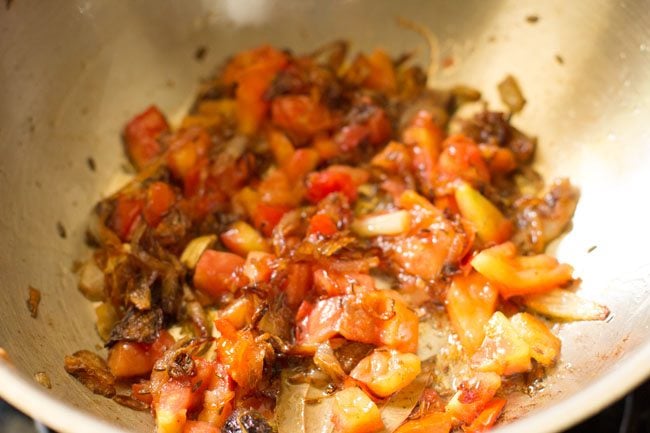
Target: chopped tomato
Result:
[[126, 216], [186, 149], [333, 283], [241, 354], [372, 317], [394, 158], [267, 216], [472, 396], [461, 158], [175, 397], [160, 198], [502, 351], [171, 407], [323, 183], [376, 129], [240, 312], [218, 398], [386, 371], [322, 225], [435, 422], [382, 72], [299, 280], [520, 275], [141, 136], [487, 418], [425, 139], [301, 115], [241, 238], [258, 267], [426, 253], [216, 272], [253, 71], [355, 412], [129, 359], [140, 391], [470, 303]]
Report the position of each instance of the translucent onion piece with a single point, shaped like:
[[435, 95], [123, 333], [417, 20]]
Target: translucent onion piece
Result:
[[565, 305], [290, 408], [195, 248], [392, 223], [399, 406]]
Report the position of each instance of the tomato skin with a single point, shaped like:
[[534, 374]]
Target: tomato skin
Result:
[[160, 198], [126, 216], [141, 136], [300, 115], [216, 272]]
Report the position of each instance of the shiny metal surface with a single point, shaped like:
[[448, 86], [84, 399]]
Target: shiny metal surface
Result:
[[71, 73]]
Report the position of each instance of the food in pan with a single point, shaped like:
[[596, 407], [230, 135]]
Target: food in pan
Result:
[[326, 243]]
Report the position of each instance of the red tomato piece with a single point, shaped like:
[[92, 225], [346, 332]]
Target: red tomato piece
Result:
[[488, 417], [268, 216], [216, 272], [301, 115], [332, 283], [129, 359], [253, 71], [126, 216], [472, 396], [335, 179], [160, 198], [218, 398], [241, 354], [435, 422], [425, 139], [461, 158], [141, 136], [141, 391], [321, 225], [299, 280]]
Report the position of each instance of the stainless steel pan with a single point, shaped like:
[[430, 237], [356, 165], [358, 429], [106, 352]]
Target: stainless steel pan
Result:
[[71, 73]]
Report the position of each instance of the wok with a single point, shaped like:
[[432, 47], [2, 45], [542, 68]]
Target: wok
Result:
[[72, 72]]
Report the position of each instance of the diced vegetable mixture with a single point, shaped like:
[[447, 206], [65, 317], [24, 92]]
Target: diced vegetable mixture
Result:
[[326, 244]]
